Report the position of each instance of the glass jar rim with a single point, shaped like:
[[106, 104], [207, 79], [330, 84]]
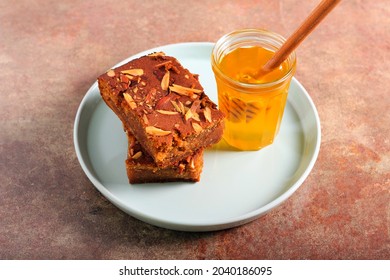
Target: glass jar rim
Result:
[[241, 33]]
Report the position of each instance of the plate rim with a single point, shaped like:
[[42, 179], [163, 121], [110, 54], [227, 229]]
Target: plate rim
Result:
[[209, 225]]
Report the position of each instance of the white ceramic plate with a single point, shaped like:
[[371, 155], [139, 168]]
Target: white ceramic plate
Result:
[[235, 187]]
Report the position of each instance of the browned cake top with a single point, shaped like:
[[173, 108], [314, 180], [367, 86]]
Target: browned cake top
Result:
[[168, 99]]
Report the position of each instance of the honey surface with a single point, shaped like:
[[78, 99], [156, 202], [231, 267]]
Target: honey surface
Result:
[[241, 65]]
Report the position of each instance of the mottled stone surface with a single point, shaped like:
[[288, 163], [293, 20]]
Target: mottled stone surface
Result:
[[52, 51]]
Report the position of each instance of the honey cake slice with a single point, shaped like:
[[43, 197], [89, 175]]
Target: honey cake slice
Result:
[[163, 105]]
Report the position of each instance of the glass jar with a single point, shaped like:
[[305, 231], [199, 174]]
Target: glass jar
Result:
[[253, 106]]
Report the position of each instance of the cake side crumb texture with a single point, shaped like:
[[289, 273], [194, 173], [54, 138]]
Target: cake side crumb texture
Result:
[[141, 167]]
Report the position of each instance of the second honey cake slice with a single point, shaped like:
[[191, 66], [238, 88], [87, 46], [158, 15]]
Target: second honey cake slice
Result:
[[141, 167], [163, 105]]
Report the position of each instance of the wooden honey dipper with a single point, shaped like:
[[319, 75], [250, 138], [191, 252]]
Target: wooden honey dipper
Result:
[[316, 16]]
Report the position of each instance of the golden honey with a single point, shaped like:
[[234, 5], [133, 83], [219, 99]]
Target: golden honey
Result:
[[253, 106]]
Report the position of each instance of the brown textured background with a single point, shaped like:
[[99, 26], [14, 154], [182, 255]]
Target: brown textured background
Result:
[[52, 51]]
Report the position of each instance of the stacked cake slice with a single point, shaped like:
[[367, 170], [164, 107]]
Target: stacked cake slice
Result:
[[168, 118]]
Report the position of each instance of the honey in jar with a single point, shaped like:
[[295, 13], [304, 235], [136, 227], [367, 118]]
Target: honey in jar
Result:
[[253, 105]]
